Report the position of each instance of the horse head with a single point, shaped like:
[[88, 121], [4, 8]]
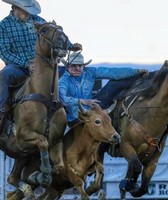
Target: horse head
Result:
[[98, 124], [52, 42], [165, 65]]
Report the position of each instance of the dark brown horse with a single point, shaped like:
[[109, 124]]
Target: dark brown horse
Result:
[[142, 117], [40, 118]]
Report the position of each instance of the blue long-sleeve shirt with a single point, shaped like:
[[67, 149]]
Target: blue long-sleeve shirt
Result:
[[17, 39], [71, 89]]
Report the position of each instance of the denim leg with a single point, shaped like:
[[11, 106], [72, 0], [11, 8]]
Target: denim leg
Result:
[[9, 75], [108, 93]]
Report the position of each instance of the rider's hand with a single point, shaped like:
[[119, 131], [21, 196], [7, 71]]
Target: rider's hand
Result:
[[30, 66], [76, 47], [89, 102]]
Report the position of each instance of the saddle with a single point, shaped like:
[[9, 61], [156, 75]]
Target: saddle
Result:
[[7, 124], [136, 90], [6, 119]]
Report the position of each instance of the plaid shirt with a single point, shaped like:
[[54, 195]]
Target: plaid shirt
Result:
[[17, 39]]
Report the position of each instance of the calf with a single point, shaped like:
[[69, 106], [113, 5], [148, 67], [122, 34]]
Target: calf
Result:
[[80, 145]]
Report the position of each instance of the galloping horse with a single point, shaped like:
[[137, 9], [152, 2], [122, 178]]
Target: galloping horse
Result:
[[143, 117], [79, 146], [39, 116]]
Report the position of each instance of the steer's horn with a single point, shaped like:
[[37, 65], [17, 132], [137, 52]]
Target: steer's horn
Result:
[[83, 110], [111, 108]]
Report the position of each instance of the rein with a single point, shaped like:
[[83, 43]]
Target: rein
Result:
[[152, 107], [53, 103]]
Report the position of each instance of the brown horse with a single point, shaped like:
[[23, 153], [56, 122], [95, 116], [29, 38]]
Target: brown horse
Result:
[[79, 144], [40, 118], [143, 117]]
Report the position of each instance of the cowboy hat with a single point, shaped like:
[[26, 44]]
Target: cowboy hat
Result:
[[30, 6], [75, 58]]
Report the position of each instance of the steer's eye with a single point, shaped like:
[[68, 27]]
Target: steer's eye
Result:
[[97, 122]]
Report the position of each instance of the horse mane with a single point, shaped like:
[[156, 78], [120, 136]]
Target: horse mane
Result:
[[154, 84]]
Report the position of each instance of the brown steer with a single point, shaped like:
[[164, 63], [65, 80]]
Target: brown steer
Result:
[[80, 144]]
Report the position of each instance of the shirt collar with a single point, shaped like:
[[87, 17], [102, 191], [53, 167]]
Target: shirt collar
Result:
[[16, 19]]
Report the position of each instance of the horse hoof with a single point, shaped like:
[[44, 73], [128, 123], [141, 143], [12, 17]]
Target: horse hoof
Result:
[[101, 195], [13, 180], [33, 178], [41, 179], [10, 194], [135, 194], [29, 195], [133, 187], [123, 184], [138, 192]]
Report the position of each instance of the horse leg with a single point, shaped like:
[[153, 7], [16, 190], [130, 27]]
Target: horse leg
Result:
[[134, 169], [122, 195], [15, 195], [57, 129], [44, 178], [52, 194], [77, 182], [130, 182], [125, 184], [101, 195], [27, 190], [56, 155], [102, 149], [49, 194], [96, 185], [147, 174], [10, 194], [15, 174]]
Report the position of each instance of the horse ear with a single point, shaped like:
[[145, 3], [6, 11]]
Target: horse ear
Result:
[[54, 22], [37, 25]]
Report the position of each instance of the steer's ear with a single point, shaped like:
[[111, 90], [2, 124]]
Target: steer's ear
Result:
[[84, 117]]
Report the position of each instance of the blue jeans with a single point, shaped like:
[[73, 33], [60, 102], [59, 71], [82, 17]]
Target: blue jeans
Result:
[[10, 75], [113, 88]]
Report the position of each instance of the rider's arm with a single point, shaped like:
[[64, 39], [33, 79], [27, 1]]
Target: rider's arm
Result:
[[114, 73], [63, 94], [5, 50]]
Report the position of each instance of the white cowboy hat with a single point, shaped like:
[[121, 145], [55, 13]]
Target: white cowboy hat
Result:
[[74, 59], [30, 6]]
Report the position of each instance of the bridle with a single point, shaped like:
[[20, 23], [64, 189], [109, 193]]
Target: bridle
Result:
[[52, 103], [56, 50]]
